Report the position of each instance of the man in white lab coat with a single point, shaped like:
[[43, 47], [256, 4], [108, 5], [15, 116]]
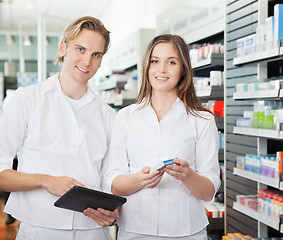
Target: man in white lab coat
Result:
[[60, 131]]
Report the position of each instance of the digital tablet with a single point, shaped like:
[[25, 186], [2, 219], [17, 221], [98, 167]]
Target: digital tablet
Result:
[[79, 199]]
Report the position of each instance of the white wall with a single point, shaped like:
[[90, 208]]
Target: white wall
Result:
[[125, 16]]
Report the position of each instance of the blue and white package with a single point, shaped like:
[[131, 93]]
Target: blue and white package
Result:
[[162, 164]]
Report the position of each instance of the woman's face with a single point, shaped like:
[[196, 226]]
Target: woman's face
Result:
[[165, 69]]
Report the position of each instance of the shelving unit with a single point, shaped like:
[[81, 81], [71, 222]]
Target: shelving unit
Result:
[[255, 58], [272, 182], [126, 56], [258, 95], [215, 59], [258, 132], [213, 92], [243, 17], [215, 228], [269, 221]]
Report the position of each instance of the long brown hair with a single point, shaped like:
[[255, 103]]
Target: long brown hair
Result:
[[185, 89], [73, 30]]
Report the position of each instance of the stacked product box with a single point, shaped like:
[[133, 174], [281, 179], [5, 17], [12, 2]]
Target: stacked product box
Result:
[[236, 236], [278, 23], [245, 46], [269, 24], [200, 52], [221, 140], [267, 35], [253, 163], [270, 202], [215, 210], [250, 201], [240, 162], [269, 165]]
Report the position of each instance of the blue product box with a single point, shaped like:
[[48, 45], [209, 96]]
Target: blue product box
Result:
[[256, 164], [278, 23], [240, 47], [240, 162], [221, 140], [249, 162]]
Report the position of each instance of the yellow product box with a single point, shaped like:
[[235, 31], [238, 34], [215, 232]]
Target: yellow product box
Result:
[[226, 238], [238, 235], [247, 236]]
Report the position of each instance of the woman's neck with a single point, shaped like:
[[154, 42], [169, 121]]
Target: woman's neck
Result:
[[162, 103]]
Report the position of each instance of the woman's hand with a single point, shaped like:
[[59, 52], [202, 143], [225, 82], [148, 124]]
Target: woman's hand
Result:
[[101, 216], [180, 170], [127, 184], [149, 179]]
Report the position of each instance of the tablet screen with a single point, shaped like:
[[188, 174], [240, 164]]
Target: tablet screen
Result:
[[79, 199]]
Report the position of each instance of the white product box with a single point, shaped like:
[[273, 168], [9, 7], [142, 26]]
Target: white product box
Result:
[[251, 87], [262, 86], [242, 87], [248, 114], [269, 26], [260, 38], [240, 47], [250, 44], [276, 84]]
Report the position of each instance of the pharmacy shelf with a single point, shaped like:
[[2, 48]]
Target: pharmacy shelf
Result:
[[215, 224], [219, 123], [271, 222], [258, 178], [256, 132], [260, 56], [216, 59], [257, 94], [214, 92]]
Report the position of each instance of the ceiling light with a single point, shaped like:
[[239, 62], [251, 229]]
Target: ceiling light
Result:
[[30, 4], [27, 41], [9, 40]]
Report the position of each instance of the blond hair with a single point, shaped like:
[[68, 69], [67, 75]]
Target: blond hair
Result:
[[73, 30]]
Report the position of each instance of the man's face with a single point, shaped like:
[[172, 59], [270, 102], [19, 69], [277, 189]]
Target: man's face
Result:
[[82, 56]]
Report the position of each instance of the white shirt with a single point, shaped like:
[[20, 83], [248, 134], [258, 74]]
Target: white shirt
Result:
[[41, 127], [139, 140]]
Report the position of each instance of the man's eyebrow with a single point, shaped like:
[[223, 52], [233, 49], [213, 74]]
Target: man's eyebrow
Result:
[[77, 45]]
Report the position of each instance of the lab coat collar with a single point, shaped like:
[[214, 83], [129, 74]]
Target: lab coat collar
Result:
[[139, 106], [53, 84]]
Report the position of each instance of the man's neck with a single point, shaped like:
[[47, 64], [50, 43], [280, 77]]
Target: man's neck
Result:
[[74, 90]]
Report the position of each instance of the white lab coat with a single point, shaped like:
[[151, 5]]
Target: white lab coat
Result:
[[40, 126], [139, 140]]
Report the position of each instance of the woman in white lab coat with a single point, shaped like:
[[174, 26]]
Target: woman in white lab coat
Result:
[[167, 122]]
